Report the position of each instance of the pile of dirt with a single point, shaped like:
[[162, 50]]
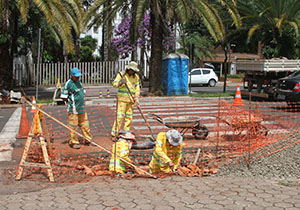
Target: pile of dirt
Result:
[[284, 164]]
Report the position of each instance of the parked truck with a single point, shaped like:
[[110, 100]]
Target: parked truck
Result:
[[261, 76]]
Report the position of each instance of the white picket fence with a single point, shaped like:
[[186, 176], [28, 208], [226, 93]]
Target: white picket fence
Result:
[[48, 74]]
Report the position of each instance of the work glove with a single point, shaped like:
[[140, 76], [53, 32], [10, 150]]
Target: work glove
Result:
[[122, 81], [171, 164]]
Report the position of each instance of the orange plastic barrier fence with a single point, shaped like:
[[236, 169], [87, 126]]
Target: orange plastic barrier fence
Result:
[[224, 133]]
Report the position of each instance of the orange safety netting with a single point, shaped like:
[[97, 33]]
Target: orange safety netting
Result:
[[214, 132]]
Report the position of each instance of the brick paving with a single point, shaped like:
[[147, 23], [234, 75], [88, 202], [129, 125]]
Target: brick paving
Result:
[[168, 193]]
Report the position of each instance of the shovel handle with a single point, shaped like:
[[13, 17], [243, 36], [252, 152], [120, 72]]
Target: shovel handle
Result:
[[139, 108]]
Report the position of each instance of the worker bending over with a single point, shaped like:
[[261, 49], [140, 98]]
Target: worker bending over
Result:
[[168, 152], [125, 102], [122, 149]]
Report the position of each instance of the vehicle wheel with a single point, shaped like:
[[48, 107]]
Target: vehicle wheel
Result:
[[200, 132], [250, 86], [212, 83]]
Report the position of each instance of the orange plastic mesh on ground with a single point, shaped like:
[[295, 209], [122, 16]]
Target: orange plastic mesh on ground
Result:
[[234, 133]]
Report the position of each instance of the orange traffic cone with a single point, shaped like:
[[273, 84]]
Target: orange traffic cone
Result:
[[24, 124], [33, 108], [238, 97]]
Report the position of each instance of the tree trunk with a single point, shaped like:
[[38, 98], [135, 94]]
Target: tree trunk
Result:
[[133, 30], [156, 49], [106, 35], [225, 65], [6, 64]]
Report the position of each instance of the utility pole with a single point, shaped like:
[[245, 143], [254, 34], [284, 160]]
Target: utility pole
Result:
[[38, 66]]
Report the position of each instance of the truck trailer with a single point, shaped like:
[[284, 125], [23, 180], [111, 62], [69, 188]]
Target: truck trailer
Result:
[[261, 76]]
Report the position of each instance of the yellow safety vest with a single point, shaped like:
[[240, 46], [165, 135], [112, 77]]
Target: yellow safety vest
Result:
[[133, 83], [122, 150], [163, 154]]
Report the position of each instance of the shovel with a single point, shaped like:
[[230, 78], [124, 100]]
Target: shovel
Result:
[[140, 110]]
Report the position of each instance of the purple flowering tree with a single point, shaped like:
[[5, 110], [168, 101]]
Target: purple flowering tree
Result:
[[121, 40]]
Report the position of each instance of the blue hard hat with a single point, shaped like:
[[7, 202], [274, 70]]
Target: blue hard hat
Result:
[[75, 72]]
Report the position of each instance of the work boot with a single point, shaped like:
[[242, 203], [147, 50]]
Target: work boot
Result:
[[86, 143], [74, 146], [113, 138]]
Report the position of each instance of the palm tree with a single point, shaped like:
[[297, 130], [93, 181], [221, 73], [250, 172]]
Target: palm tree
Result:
[[271, 18], [9, 9], [162, 11], [183, 10], [104, 13]]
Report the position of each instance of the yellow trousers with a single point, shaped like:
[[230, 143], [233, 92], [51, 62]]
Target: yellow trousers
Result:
[[125, 110], [81, 121]]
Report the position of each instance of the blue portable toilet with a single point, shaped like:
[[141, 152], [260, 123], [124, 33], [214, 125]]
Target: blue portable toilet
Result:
[[175, 71]]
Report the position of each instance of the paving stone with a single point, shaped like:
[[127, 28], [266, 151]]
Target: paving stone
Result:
[[283, 205], [274, 208], [31, 206], [64, 205], [235, 207], [213, 206], [224, 202], [263, 203], [206, 201], [264, 195], [282, 196], [13, 206], [254, 208], [244, 203], [218, 197], [144, 206], [254, 199], [189, 200], [163, 207], [95, 207], [127, 205]]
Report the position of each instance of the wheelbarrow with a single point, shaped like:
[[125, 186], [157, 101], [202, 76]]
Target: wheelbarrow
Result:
[[184, 123]]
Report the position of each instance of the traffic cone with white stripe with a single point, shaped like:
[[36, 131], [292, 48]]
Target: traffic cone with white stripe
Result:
[[24, 124], [238, 97], [33, 108]]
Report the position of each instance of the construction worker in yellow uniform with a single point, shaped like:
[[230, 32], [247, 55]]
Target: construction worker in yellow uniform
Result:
[[122, 149], [168, 152], [124, 100]]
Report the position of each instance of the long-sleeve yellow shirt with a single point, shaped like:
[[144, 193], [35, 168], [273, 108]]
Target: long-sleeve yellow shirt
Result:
[[122, 150], [164, 153], [133, 83]]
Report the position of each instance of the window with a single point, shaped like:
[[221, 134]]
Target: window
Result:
[[196, 72], [95, 29], [206, 71]]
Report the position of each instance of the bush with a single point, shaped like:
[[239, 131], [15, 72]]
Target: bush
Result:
[[234, 76]]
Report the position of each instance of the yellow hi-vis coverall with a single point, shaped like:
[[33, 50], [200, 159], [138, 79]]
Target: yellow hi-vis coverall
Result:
[[125, 102], [122, 150], [164, 153]]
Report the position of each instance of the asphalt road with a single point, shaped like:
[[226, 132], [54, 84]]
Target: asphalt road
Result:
[[217, 89], [5, 114]]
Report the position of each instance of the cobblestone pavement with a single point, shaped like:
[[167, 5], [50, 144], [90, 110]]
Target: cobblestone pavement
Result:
[[167, 193]]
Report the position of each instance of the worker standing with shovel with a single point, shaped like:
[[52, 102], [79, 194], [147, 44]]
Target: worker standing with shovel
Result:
[[128, 82]]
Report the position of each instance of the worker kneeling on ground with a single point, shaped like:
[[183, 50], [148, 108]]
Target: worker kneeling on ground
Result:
[[122, 148], [168, 152]]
